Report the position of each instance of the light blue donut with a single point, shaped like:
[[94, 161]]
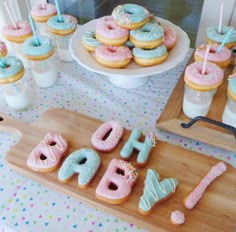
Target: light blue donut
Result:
[[29, 47], [89, 38], [212, 34], [148, 54], [14, 66], [148, 32], [69, 23]]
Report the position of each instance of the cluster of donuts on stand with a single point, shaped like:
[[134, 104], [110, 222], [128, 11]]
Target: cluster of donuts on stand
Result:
[[130, 32]]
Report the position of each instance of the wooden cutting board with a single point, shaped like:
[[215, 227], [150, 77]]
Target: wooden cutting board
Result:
[[216, 211]]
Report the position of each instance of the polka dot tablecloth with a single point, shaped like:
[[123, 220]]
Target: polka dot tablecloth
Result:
[[31, 207]]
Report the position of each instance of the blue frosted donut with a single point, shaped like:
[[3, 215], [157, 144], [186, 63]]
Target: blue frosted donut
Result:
[[89, 40], [130, 16], [149, 36]]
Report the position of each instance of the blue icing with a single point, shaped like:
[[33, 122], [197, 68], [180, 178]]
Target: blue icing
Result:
[[69, 23], [232, 84], [89, 38], [212, 33], [148, 32], [13, 66], [147, 54], [29, 47]]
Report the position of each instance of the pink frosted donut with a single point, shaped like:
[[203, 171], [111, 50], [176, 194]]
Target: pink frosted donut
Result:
[[3, 49], [195, 195], [110, 33], [169, 37], [177, 217], [19, 34], [42, 14], [222, 59], [212, 78], [107, 136], [46, 156], [113, 56]]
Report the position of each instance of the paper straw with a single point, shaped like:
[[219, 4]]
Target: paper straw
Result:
[[224, 41], [205, 59], [37, 43], [58, 12], [43, 4], [10, 15], [28, 5], [221, 16], [2, 65]]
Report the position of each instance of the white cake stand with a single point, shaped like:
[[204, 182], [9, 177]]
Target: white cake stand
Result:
[[133, 75]]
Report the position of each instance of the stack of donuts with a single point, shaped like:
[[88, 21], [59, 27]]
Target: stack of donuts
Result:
[[130, 32]]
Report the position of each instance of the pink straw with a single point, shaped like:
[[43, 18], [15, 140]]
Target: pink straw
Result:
[[205, 59], [10, 15]]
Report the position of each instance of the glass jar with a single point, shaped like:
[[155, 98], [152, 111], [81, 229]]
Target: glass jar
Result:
[[229, 114]]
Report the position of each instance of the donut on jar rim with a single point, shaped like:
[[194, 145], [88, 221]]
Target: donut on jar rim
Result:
[[3, 49], [110, 33], [130, 16]]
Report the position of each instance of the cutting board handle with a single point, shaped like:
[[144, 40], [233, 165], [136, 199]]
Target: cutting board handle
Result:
[[11, 125]]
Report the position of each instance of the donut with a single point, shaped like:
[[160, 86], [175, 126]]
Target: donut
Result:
[[144, 148], [212, 36], [14, 71], [196, 193], [212, 78], [170, 37], [107, 136], [33, 52], [110, 33], [89, 41], [42, 13], [177, 217], [3, 49], [130, 16], [116, 184], [85, 162], [150, 57], [19, 34], [232, 86], [66, 27], [47, 155], [149, 36], [155, 191], [113, 56], [222, 59]]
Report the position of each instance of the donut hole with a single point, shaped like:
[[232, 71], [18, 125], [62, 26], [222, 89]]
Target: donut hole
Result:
[[212, 50], [1, 119], [107, 135], [83, 161], [111, 49], [120, 171], [112, 186], [43, 157], [110, 27], [52, 143]]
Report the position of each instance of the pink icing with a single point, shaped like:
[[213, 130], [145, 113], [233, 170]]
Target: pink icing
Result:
[[116, 131], [52, 147], [113, 53], [169, 36], [213, 75], [192, 199], [23, 28], [177, 217], [224, 55], [38, 10], [107, 28], [123, 181]]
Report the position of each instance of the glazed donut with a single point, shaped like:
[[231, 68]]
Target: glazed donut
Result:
[[47, 155], [149, 36], [195, 195], [113, 56], [110, 33], [150, 57], [107, 136], [41, 52], [212, 36], [130, 16], [42, 14], [89, 41], [222, 59], [67, 27], [3, 49], [19, 34], [212, 78], [169, 37], [85, 162]]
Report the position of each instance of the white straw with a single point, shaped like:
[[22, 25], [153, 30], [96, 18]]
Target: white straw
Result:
[[205, 59], [43, 4], [28, 5], [221, 16], [10, 15]]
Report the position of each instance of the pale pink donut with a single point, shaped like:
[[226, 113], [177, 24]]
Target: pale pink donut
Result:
[[113, 130], [110, 33], [23, 28], [46, 156], [38, 10], [169, 37]]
